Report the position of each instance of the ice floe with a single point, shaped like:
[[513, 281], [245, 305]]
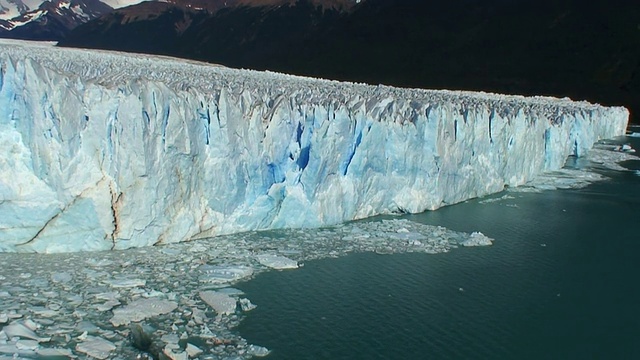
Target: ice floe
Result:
[[79, 304], [277, 262], [141, 309], [477, 239], [96, 347], [222, 303]]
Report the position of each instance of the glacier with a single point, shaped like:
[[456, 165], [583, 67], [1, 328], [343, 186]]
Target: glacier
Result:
[[104, 150]]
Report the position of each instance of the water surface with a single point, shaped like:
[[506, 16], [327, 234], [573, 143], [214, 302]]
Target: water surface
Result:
[[560, 282]]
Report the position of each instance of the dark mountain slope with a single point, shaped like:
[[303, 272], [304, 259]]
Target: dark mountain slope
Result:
[[584, 50], [52, 20]]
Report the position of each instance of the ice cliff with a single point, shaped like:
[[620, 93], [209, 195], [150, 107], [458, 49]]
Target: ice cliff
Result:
[[100, 150]]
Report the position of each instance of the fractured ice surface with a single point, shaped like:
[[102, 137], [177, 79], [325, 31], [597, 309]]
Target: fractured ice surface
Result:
[[84, 315], [111, 151]]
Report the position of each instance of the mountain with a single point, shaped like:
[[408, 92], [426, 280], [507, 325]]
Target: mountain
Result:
[[581, 49], [52, 19]]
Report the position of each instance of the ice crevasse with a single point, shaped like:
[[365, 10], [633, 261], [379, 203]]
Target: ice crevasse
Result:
[[102, 150]]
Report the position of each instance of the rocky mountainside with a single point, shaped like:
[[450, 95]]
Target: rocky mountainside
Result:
[[49, 20], [584, 50], [54, 19]]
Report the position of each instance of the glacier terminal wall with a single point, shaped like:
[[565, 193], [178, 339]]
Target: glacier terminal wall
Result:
[[101, 150]]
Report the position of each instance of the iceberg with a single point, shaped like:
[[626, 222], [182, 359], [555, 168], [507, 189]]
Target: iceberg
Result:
[[104, 150]]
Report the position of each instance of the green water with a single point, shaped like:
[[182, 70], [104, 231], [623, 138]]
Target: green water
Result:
[[560, 282]]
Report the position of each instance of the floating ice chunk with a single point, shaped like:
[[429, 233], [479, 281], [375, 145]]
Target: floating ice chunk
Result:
[[152, 293], [477, 239], [112, 295], [174, 356], [126, 283], [141, 309], [231, 291], [99, 263], [246, 305], [4, 318], [31, 324], [44, 312], [223, 304], [224, 274], [9, 349], [414, 242], [624, 148], [504, 197], [54, 352], [27, 345], [193, 350], [409, 236], [96, 347], [62, 277], [86, 326], [17, 329], [634, 134], [170, 339], [170, 251], [277, 262], [198, 248], [108, 305], [259, 351]]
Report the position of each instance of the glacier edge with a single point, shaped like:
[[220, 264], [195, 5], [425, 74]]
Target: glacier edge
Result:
[[110, 151]]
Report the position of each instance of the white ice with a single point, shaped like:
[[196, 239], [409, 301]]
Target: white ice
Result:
[[277, 262], [111, 151], [141, 309]]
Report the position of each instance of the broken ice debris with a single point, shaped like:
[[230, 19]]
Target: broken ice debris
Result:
[[246, 305], [277, 262], [224, 274], [96, 347], [223, 304], [126, 283], [62, 277], [141, 309], [477, 239], [259, 351]]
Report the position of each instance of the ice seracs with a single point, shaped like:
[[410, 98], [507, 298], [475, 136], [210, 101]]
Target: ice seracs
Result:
[[112, 151]]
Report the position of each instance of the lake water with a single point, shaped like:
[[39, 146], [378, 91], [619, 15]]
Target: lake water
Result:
[[560, 282]]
